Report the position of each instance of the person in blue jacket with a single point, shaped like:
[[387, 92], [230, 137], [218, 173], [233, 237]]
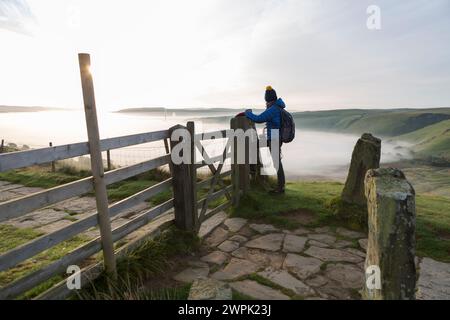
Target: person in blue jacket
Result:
[[272, 117]]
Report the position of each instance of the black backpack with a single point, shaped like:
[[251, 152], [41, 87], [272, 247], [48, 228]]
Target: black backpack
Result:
[[287, 130]]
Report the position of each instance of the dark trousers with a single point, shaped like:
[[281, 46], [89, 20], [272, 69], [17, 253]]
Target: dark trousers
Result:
[[281, 180]]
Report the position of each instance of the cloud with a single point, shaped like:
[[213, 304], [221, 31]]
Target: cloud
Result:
[[15, 15]]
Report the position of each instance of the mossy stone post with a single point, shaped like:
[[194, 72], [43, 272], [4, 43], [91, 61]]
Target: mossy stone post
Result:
[[391, 245], [366, 155]]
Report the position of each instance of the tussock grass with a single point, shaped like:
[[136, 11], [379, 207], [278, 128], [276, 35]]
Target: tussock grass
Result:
[[147, 264]]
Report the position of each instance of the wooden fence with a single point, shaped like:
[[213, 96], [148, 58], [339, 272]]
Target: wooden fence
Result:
[[184, 209]]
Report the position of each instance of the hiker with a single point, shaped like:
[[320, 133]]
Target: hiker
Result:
[[272, 117]]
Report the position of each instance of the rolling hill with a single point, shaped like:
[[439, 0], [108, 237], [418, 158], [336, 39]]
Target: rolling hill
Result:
[[428, 130], [385, 123]]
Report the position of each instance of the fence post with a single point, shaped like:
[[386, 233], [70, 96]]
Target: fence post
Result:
[[244, 169], [2, 146], [108, 159], [183, 181], [234, 165], [101, 196], [50, 144]]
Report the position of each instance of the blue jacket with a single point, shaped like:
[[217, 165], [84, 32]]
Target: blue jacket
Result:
[[271, 115]]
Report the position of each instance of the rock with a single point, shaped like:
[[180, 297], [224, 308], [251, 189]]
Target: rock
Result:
[[349, 233], [218, 236], [366, 155], [228, 246], [270, 242], [260, 257], [8, 195], [209, 289], [301, 266], [294, 244], [356, 252], [9, 187], [238, 238], [216, 257], [363, 243], [263, 228], [332, 255], [38, 218], [77, 205], [197, 264], [52, 227], [27, 190], [434, 280], [347, 275], [246, 232], [391, 244], [317, 281], [317, 244], [322, 230], [210, 224], [236, 268], [342, 244], [257, 291], [235, 224], [333, 291], [191, 274], [324, 238], [285, 280], [301, 231]]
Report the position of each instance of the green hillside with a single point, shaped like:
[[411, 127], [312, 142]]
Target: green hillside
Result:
[[433, 140], [384, 123]]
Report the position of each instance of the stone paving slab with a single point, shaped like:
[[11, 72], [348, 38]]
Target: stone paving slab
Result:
[[286, 280], [235, 224], [270, 242], [257, 291], [209, 289], [216, 257], [260, 257], [191, 274], [346, 275], [210, 224], [228, 246], [301, 266], [333, 255], [434, 280], [263, 228], [236, 268], [294, 243]]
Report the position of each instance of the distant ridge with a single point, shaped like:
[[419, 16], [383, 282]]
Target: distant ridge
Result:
[[181, 110], [5, 109]]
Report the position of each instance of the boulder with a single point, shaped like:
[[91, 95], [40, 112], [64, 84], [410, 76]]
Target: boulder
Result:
[[366, 155], [391, 244]]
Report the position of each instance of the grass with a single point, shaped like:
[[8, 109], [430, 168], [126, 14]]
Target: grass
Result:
[[12, 237], [311, 198], [39, 176], [149, 263], [317, 199]]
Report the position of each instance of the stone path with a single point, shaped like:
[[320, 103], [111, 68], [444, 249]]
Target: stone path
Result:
[[263, 262], [54, 217]]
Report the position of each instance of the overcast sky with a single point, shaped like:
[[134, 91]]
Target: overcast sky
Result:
[[317, 54]]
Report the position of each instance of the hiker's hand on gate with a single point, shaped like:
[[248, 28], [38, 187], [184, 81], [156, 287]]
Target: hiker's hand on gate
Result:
[[248, 110]]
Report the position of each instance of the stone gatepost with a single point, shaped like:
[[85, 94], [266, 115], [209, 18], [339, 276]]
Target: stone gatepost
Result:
[[390, 268], [366, 155]]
